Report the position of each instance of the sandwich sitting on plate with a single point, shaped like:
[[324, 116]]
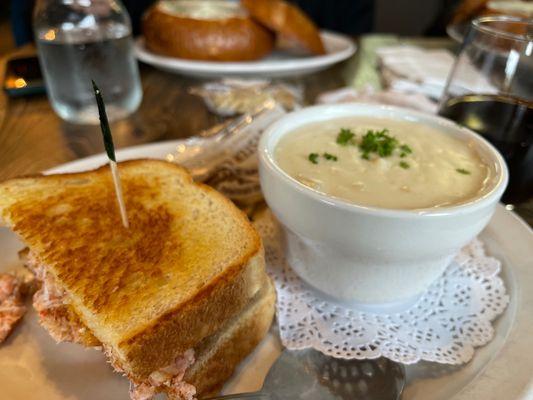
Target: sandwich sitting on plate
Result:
[[175, 301]]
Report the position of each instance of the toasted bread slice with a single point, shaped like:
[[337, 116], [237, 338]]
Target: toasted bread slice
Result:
[[219, 355], [288, 21], [189, 261]]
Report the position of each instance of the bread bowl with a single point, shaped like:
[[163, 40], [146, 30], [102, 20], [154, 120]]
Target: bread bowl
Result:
[[212, 30], [288, 21]]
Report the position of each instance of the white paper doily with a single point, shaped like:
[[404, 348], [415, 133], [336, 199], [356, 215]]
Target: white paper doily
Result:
[[444, 325]]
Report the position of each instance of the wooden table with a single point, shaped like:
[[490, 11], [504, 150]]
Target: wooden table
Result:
[[33, 138]]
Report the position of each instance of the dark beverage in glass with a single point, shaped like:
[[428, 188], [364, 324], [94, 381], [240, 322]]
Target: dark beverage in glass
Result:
[[490, 91], [506, 122]]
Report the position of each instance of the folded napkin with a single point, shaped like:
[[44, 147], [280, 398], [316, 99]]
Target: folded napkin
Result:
[[368, 94], [413, 69]]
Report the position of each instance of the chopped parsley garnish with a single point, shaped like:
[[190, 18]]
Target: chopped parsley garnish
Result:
[[330, 157], [346, 137], [313, 157], [378, 142], [405, 149], [463, 171], [375, 142], [404, 165]]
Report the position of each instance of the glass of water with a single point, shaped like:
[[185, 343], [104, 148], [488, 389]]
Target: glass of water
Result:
[[83, 40]]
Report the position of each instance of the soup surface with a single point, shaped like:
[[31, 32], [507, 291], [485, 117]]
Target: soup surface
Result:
[[385, 163], [202, 9]]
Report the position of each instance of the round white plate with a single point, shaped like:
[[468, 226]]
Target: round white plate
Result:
[[33, 366], [277, 64]]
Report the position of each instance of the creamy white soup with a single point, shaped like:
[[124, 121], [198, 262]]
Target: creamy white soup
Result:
[[385, 163], [202, 9]]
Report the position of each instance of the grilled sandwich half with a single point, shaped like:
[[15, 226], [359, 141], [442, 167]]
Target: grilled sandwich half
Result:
[[167, 299]]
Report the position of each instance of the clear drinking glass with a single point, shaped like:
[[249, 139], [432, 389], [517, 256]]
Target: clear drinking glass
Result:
[[490, 90], [83, 40]]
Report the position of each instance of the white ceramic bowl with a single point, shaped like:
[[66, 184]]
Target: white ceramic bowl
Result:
[[364, 254]]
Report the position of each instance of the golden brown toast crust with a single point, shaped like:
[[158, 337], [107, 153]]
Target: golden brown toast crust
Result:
[[210, 372], [160, 345], [71, 223], [288, 21]]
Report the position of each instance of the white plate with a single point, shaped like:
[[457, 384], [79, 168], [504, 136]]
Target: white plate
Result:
[[33, 367], [277, 64]]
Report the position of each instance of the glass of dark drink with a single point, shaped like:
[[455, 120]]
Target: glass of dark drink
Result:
[[490, 90]]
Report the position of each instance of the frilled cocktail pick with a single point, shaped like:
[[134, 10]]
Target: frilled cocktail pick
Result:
[[110, 150]]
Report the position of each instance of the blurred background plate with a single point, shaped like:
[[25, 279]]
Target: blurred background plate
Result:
[[278, 64]]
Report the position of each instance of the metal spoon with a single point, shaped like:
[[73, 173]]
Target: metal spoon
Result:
[[308, 374]]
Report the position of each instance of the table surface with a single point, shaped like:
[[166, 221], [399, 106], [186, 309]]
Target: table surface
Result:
[[33, 138]]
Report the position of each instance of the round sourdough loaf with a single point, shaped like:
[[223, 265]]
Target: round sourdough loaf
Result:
[[213, 30]]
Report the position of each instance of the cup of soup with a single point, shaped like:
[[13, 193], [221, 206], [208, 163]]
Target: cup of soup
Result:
[[376, 200]]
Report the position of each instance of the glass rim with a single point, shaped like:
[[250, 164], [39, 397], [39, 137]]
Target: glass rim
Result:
[[478, 24]]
